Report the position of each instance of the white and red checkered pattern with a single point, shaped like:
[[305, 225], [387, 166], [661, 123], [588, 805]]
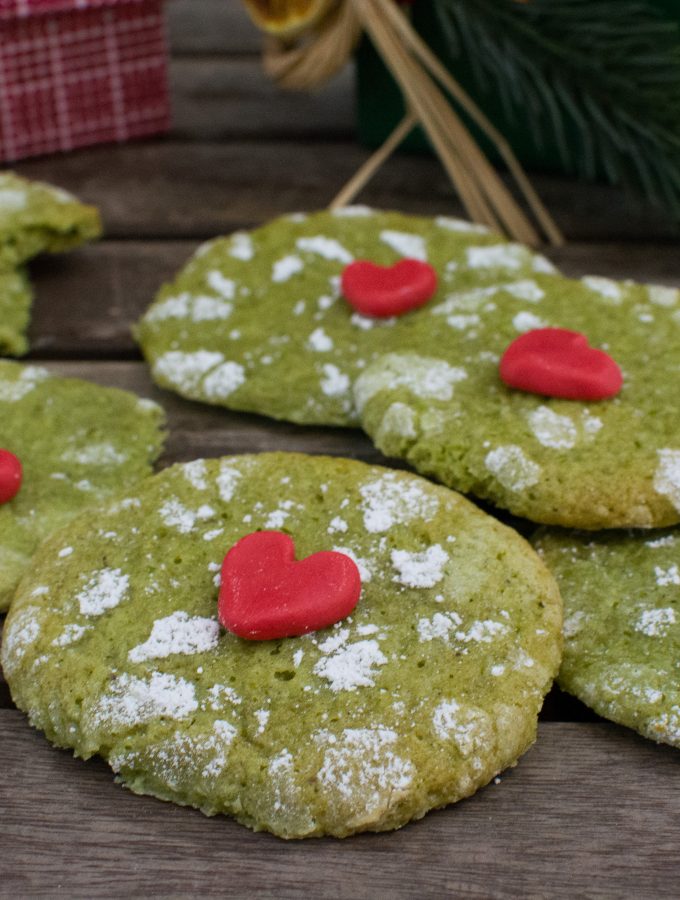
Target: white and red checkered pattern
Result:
[[79, 72]]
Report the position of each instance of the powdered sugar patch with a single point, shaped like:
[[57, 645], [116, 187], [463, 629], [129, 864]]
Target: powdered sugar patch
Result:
[[104, 590], [512, 468], [328, 248], [553, 430], [408, 245], [361, 768], [346, 666], [421, 569], [284, 269], [429, 379], [177, 633], [656, 622], [334, 382], [133, 701], [667, 476], [392, 500]]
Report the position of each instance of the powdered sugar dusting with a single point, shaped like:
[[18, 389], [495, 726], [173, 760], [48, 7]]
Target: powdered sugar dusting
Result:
[[352, 212], [319, 341], [553, 430], [241, 246], [284, 269], [225, 287], [195, 473], [334, 382], [667, 476], [667, 576], [186, 370], [667, 540], [175, 515], [223, 380], [513, 469], [133, 701], [660, 295], [409, 245], [429, 379], [326, 247], [104, 590], [497, 256], [346, 666], [655, 622], [363, 565], [177, 633], [439, 626], [527, 321], [605, 287], [460, 225], [21, 630], [227, 481], [12, 200], [399, 419], [526, 290], [467, 727], [392, 500], [70, 635], [101, 454], [421, 569], [361, 768], [29, 378]]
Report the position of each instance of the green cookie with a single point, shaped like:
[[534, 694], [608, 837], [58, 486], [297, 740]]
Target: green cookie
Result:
[[256, 322], [15, 306], [430, 688], [608, 464], [37, 218], [34, 218], [77, 442], [622, 625]]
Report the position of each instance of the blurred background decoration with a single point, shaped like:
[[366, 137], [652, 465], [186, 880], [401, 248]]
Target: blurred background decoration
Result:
[[80, 72], [584, 87]]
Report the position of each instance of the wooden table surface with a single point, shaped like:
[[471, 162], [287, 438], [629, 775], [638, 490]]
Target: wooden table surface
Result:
[[592, 809]]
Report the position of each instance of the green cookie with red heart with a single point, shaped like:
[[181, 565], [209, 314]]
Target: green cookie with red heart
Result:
[[312, 645], [553, 398], [282, 319], [65, 445]]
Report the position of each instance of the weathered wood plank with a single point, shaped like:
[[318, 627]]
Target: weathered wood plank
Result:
[[590, 811], [86, 303], [168, 189], [218, 99], [211, 26]]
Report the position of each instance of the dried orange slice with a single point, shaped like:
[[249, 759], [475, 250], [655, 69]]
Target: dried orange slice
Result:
[[286, 18]]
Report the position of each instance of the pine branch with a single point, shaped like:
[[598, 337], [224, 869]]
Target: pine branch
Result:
[[604, 71]]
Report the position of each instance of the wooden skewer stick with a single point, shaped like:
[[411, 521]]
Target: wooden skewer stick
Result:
[[361, 178]]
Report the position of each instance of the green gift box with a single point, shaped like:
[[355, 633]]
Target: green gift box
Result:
[[381, 107]]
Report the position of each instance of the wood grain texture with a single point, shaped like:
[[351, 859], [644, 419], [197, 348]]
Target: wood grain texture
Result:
[[558, 825], [219, 99], [211, 26], [170, 189]]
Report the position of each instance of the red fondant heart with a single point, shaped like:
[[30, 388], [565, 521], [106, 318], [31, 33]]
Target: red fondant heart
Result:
[[559, 363], [10, 476], [388, 290], [266, 594]]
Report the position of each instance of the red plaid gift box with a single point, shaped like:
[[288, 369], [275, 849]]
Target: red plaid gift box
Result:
[[78, 72]]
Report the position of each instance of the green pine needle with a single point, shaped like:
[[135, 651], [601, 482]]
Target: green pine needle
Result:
[[600, 77]]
